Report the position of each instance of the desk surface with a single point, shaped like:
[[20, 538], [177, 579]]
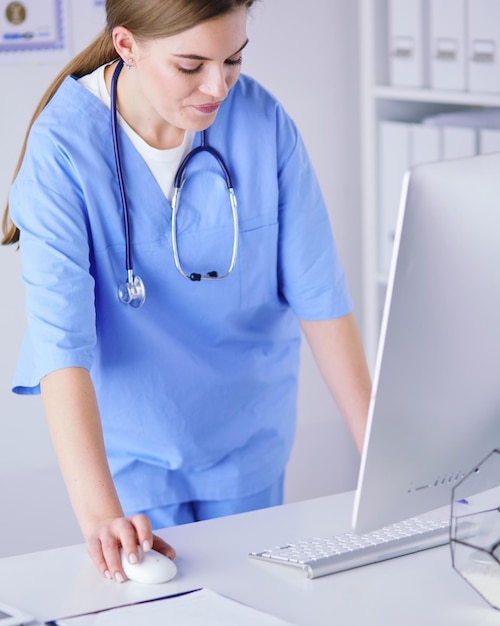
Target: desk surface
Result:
[[419, 589]]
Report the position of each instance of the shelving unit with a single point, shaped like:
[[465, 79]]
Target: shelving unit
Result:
[[380, 101]]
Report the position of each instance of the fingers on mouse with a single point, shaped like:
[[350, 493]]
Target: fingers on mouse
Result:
[[152, 567]]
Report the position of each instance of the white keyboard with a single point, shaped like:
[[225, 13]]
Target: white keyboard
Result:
[[323, 556]]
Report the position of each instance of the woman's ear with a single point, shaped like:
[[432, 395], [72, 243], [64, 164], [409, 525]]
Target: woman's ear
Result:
[[124, 43]]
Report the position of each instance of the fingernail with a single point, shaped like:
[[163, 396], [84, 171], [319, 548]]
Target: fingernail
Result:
[[132, 559], [107, 574], [119, 578], [146, 546]]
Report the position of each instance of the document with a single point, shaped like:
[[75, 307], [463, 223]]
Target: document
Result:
[[190, 609]]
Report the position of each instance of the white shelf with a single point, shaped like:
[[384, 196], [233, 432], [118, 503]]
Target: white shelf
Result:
[[380, 101], [432, 96]]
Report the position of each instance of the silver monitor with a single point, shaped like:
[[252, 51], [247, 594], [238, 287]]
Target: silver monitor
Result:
[[435, 407]]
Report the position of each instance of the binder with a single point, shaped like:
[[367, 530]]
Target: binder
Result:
[[394, 160], [483, 42], [458, 142], [408, 37], [401, 145], [425, 144], [447, 28], [489, 140]]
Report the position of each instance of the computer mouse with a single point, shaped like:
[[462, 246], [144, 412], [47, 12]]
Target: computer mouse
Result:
[[152, 568]]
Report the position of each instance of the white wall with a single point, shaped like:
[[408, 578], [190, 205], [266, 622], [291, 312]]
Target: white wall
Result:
[[307, 55]]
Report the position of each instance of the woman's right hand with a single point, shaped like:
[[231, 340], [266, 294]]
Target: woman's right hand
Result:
[[105, 541], [75, 426]]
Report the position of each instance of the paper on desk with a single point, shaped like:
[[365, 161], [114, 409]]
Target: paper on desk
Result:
[[192, 609]]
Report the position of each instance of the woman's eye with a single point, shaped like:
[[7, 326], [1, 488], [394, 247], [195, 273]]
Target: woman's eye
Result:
[[237, 61], [189, 70], [198, 68]]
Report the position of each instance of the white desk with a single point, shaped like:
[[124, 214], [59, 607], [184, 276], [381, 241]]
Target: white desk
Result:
[[420, 589]]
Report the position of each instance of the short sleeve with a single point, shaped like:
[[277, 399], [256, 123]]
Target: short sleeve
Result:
[[312, 277], [60, 308]]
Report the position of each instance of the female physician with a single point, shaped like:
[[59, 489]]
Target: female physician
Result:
[[164, 312]]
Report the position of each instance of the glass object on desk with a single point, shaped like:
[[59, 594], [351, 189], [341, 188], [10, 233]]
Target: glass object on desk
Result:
[[475, 528]]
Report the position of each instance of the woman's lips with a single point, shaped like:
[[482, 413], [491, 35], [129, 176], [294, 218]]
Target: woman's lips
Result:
[[208, 108]]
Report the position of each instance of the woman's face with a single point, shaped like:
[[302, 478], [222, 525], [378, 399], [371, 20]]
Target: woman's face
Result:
[[182, 80]]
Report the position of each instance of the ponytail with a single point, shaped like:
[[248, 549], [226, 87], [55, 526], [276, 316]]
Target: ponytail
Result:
[[99, 52]]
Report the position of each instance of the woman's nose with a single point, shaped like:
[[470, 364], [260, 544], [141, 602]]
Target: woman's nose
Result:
[[215, 84]]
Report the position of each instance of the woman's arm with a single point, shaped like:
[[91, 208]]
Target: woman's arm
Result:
[[75, 427], [338, 352]]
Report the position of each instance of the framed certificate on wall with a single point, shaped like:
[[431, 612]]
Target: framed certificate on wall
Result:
[[33, 30]]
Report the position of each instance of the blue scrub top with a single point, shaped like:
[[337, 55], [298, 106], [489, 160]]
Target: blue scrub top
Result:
[[196, 389]]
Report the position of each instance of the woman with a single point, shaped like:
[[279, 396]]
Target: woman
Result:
[[182, 406]]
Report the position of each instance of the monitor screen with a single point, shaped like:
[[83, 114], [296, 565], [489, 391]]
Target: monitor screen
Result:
[[435, 406]]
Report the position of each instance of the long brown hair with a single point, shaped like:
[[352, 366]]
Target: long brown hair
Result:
[[146, 20]]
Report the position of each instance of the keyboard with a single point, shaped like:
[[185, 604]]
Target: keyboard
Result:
[[328, 555]]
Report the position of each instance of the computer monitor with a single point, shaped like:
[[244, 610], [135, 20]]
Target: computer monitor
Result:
[[435, 407]]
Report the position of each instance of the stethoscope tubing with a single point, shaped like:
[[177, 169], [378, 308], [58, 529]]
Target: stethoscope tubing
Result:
[[133, 291], [119, 168]]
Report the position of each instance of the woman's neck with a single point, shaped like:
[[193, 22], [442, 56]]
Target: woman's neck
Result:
[[138, 114]]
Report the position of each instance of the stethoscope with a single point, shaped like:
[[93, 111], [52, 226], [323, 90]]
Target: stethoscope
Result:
[[133, 291]]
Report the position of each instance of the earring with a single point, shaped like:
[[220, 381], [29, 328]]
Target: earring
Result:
[[129, 64]]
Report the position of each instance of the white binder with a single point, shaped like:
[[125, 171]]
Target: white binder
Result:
[[447, 29], [408, 37], [394, 152], [483, 42], [425, 144], [458, 142], [489, 140], [401, 145]]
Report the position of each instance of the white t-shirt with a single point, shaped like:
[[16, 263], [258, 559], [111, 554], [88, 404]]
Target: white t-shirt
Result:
[[162, 163]]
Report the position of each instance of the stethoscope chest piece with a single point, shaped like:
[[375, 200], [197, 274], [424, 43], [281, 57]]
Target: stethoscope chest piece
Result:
[[132, 292]]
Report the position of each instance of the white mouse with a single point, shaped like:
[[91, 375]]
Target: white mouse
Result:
[[153, 567]]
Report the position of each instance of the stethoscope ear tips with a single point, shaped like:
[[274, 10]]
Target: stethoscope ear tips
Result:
[[132, 292], [195, 277]]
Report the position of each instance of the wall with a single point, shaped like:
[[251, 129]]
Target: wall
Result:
[[309, 60]]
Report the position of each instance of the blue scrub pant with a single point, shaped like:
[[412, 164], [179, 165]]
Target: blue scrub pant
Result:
[[186, 512]]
